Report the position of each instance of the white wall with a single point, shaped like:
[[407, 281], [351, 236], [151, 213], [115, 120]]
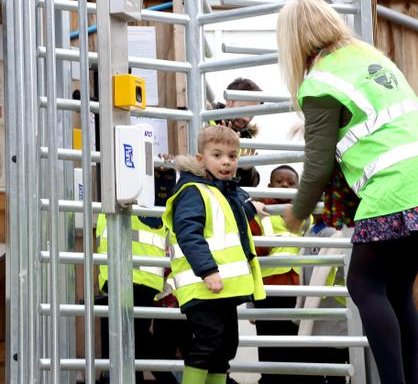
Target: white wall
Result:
[[259, 32]]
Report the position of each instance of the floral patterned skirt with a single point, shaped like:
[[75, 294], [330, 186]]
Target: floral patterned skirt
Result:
[[389, 227]]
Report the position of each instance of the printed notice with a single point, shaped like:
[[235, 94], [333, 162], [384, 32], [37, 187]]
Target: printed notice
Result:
[[142, 44]]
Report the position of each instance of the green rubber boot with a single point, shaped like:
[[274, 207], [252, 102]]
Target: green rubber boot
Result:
[[216, 378], [193, 375]]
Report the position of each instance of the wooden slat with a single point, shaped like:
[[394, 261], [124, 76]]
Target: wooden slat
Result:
[[180, 135], [398, 42]]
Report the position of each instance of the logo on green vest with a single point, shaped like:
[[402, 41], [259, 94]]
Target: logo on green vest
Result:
[[383, 76]]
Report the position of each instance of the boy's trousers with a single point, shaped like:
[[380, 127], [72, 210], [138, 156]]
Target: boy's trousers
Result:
[[214, 325]]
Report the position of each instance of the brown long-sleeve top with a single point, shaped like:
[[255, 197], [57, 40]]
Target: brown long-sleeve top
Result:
[[323, 118]]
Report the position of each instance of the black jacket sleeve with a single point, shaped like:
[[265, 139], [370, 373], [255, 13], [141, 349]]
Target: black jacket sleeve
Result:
[[322, 122], [189, 223]]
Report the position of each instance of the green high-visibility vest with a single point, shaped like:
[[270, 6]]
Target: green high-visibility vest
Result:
[[274, 225], [240, 277], [146, 241], [378, 149]]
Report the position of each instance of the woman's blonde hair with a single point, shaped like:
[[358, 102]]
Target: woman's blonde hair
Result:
[[306, 29], [216, 134]]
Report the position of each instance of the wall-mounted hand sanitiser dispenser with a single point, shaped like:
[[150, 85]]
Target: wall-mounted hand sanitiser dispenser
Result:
[[134, 164]]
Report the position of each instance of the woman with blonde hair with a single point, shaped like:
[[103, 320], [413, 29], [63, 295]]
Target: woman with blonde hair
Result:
[[360, 110]]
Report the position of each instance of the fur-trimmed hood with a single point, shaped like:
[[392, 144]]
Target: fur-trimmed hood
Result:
[[190, 164], [252, 129]]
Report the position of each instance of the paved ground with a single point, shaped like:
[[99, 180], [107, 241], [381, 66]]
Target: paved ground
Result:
[[246, 355]]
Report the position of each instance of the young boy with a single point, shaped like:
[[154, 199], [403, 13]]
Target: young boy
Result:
[[214, 263], [283, 176]]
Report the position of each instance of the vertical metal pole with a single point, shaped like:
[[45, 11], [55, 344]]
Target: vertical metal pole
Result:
[[195, 79], [43, 277], [32, 195], [21, 192], [66, 233], [113, 58], [105, 69], [53, 187], [363, 20], [121, 320], [87, 195], [12, 240]]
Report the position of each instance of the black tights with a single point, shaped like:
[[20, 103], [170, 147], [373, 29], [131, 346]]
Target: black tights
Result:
[[380, 281]]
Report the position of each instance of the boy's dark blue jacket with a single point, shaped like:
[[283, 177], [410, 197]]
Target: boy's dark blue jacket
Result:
[[189, 220]]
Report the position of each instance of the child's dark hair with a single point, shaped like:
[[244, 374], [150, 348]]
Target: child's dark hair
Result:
[[216, 134], [243, 84], [284, 166]]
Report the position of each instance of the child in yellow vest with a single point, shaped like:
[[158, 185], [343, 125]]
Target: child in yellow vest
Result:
[[214, 263], [282, 176]]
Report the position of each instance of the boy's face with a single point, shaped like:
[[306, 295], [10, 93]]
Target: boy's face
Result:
[[283, 178], [220, 159]]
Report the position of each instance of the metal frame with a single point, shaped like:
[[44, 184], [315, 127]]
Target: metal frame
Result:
[[41, 256]]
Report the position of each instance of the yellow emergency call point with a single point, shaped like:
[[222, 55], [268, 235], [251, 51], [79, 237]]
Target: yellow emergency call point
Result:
[[77, 139], [129, 91]]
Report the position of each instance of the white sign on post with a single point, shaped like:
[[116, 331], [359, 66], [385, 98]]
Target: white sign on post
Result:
[[142, 44]]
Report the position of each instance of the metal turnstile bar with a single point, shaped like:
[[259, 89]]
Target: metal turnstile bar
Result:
[[261, 367], [324, 242], [262, 109], [230, 94], [215, 65], [257, 10], [70, 154], [305, 290], [303, 341], [329, 314], [164, 113], [229, 48], [146, 15], [77, 206], [67, 5], [135, 62], [271, 158], [282, 145], [101, 259], [280, 158]]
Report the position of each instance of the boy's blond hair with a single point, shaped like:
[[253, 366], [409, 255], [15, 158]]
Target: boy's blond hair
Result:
[[216, 134]]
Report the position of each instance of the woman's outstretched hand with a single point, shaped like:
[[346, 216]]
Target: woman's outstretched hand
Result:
[[293, 224]]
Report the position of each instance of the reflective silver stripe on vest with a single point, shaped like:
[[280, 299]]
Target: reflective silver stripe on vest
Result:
[[150, 238], [352, 93], [220, 239], [159, 271], [215, 244], [218, 216], [385, 116], [239, 268], [267, 226], [144, 237], [389, 158], [268, 229]]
